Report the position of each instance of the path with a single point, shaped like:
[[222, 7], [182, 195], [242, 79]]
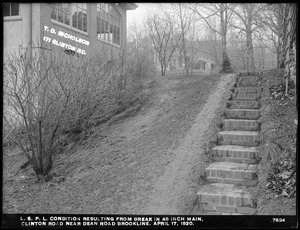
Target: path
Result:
[[171, 190]]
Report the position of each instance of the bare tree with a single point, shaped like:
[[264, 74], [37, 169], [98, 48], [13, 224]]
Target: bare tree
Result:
[[140, 50], [185, 22], [191, 47], [237, 51], [214, 46], [222, 12], [165, 36], [271, 18], [248, 14]]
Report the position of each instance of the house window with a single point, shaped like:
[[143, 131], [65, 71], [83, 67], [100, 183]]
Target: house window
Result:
[[63, 12], [108, 23], [10, 9], [79, 16]]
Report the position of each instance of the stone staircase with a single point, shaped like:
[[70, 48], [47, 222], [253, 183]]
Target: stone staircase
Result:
[[236, 155]]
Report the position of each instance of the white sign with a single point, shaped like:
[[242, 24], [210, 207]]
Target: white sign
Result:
[[65, 45]]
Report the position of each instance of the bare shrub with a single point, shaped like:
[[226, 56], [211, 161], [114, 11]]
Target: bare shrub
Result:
[[38, 87], [51, 99]]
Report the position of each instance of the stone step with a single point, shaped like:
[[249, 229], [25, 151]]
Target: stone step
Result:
[[242, 74], [211, 213], [231, 173], [239, 124], [249, 78], [250, 89], [244, 104], [235, 153], [247, 96], [243, 113], [219, 199], [244, 138], [247, 83]]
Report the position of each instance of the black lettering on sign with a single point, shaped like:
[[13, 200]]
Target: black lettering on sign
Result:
[[71, 52]]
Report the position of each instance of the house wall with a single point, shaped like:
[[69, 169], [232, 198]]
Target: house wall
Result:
[[35, 24], [200, 63]]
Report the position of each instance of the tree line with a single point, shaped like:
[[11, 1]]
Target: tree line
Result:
[[245, 26]]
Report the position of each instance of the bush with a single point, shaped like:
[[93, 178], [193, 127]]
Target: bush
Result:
[[65, 99], [226, 66]]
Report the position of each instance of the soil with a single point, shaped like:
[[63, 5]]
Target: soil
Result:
[[276, 190], [150, 163]]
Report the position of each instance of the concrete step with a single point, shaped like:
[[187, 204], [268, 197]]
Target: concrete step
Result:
[[211, 213], [244, 104], [231, 173], [235, 153], [247, 96], [221, 199], [250, 89], [249, 78], [247, 83], [244, 138], [242, 74], [239, 124], [243, 113]]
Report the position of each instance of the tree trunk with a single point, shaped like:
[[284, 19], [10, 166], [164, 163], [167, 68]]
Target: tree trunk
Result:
[[186, 65], [250, 56], [278, 58], [162, 69], [223, 33]]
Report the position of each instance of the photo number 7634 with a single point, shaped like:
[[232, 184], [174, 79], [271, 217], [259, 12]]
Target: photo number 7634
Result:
[[278, 220]]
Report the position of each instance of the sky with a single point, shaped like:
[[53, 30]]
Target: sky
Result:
[[137, 15], [143, 9]]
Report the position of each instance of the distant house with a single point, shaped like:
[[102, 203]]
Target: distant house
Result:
[[77, 29], [202, 55]]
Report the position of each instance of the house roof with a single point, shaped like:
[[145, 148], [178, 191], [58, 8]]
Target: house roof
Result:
[[204, 49], [129, 6]]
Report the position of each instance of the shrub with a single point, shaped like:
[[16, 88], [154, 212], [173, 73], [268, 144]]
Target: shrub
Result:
[[48, 96], [226, 66]]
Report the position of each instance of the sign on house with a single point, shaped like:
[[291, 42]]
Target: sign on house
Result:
[[61, 34]]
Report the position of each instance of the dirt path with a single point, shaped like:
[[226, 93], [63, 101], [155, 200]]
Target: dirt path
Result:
[[135, 164], [171, 190]]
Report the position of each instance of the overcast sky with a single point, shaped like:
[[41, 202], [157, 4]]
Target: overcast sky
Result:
[[143, 9], [137, 15]]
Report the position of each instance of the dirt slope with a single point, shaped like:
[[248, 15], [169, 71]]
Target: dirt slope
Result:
[[135, 164], [174, 191]]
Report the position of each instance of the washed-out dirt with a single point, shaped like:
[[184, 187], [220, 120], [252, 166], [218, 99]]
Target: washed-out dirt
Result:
[[149, 163]]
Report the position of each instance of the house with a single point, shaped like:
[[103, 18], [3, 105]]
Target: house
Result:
[[203, 56], [77, 29]]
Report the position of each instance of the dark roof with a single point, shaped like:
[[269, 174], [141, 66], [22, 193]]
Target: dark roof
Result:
[[129, 6]]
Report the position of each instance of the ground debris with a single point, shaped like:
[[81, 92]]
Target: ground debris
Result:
[[277, 171]]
